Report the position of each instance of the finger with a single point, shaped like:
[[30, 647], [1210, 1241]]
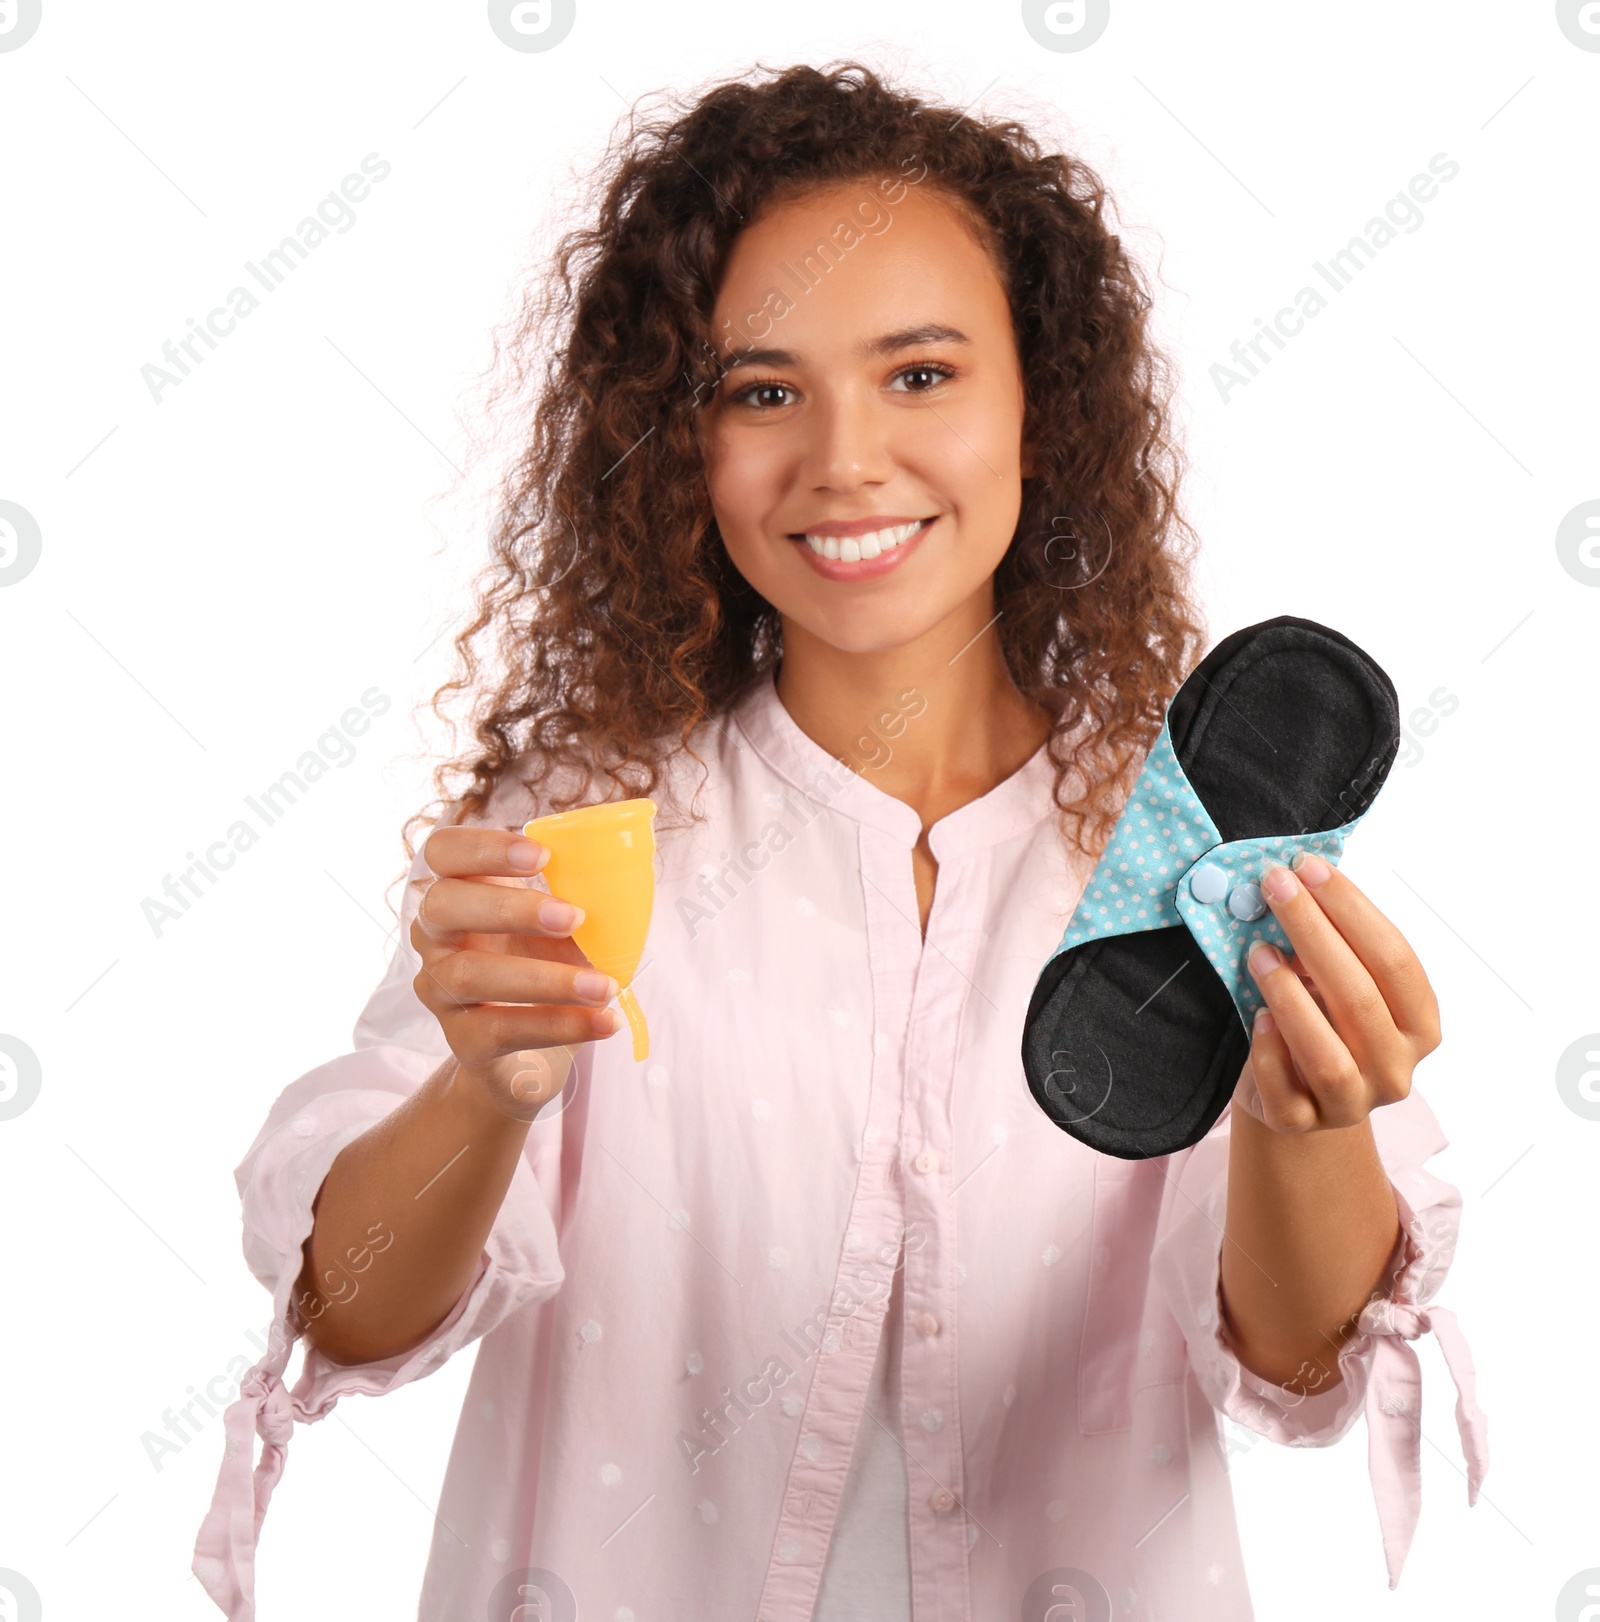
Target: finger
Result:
[[1355, 1002], [1323, 1063], [489, 904], [489, 1031], [1384, 951], [456, 852], [466, 978], [1284, 1103], [1297, 967]]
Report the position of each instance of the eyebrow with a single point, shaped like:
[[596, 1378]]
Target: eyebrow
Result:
[[888, 343]]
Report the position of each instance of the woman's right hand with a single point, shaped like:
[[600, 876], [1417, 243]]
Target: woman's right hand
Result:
[[502, 975]]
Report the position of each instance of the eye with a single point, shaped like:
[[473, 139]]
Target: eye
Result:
[[767, 384], [936, 370], [940, 374]]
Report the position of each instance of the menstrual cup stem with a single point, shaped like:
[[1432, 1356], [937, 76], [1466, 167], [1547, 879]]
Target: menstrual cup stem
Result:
[[641, 1035]]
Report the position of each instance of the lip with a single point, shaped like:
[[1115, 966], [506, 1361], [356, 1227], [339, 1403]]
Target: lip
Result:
[[840, 527], [866, 568]]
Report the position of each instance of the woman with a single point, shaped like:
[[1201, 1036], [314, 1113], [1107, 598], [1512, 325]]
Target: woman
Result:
[[850, 506]]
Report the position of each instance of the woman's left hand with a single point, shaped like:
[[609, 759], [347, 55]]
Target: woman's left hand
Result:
[[1348, 1017]]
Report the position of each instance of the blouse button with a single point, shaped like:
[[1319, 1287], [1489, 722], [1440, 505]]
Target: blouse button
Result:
[[927, 1324], [943, 1501], [927, 1160]]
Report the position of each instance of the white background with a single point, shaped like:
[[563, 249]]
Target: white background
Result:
[[226, 572]]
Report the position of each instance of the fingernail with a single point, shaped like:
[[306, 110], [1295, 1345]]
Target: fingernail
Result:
[[1265, 1025], [527, 855], [1278, 884], [594, 985], [1313, 869], [1263, 959], [560, 915]]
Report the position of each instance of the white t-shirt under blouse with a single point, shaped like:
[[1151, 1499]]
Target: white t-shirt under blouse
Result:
[[867, 1577]]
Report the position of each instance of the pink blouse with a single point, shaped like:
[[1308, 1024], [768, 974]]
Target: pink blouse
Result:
[[680, 1304]]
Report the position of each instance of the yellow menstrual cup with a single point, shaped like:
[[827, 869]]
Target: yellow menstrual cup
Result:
[[602, 858]]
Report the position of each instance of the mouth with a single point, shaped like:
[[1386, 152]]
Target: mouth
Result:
[[862, 556]]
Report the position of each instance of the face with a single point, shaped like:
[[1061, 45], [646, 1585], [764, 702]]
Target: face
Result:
[[889, 394]]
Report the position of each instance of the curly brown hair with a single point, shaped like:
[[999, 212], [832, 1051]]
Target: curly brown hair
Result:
[[619, 618]]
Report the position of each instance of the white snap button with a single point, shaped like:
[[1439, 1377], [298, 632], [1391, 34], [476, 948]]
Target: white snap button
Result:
[[943, 1501], [1245, 901], [1208, 883]]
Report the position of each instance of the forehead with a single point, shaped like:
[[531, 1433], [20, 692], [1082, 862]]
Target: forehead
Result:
[[814, 275]]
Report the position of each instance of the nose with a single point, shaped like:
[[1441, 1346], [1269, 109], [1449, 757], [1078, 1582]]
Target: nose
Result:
[[849, 440]]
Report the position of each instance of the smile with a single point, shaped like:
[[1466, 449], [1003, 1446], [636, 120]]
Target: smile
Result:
[[863, 557]]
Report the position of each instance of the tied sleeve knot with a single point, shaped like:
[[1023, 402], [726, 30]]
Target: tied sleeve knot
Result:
[[1394, 1416], [1403, 1318], [225, 1549], [275, 1410]]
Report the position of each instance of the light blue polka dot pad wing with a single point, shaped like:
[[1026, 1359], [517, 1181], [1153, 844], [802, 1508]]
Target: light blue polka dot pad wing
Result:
[[1138, 1026]]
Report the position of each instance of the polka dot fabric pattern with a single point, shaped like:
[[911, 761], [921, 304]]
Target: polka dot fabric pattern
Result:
[[1162, 831], [1167, 863], [1225, 938]]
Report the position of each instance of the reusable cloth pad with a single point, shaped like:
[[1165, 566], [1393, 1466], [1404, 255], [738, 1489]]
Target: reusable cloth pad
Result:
[[1139, 1024]]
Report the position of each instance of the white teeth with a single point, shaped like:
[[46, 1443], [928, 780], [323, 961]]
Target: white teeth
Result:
[[855, 547]]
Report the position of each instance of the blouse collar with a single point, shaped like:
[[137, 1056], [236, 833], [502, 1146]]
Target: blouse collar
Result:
[[1012, 807]]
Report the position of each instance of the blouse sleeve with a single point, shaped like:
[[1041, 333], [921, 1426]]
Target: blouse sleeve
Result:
[[397, 1045], [1380, 1372]]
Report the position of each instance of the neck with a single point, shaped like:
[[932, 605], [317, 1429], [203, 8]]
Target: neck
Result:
[[935, 723]]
